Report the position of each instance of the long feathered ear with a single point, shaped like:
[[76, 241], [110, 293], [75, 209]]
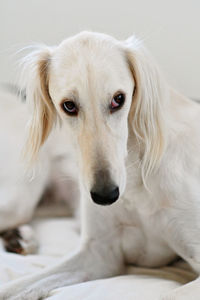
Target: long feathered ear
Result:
[[36, 66], [148, 105]]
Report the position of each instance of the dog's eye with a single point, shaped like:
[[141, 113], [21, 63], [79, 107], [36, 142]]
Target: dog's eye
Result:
[[117, 102], [70, 108]]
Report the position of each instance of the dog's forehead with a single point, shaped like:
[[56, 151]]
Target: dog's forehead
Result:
[[89, 62]]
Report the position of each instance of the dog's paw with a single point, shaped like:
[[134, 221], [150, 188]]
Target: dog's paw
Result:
[[20, 240]]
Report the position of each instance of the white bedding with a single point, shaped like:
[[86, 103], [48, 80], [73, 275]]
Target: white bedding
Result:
[[59, 236]]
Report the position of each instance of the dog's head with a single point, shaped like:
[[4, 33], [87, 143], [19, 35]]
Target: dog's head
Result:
[[99, 87]]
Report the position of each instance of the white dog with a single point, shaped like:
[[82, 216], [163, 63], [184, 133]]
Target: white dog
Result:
[[137, 143]]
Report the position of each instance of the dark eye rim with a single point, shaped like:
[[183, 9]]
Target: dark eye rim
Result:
[[72, 114], [114, 109]]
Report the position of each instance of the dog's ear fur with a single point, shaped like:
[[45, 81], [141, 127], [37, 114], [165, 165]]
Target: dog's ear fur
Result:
[[36, 66], [149, 98]]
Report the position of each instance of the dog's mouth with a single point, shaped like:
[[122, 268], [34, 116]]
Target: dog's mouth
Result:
[[106, 197]]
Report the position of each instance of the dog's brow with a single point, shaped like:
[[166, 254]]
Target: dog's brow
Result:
[[71, 94]]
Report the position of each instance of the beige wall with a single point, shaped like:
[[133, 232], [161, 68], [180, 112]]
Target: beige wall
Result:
[[170, 29]]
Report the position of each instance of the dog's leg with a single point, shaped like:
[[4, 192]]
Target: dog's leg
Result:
[[17, 204], [99, 256], [183, 235]]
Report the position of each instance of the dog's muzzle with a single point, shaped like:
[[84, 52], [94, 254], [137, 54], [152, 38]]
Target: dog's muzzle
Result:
[[106, 196]]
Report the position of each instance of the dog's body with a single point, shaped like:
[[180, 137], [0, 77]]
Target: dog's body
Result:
[[146, 151]]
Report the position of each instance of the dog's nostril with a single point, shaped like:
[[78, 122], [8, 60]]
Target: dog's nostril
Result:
[[106, 196]]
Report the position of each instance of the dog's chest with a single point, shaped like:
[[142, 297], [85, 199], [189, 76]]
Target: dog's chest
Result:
[[142, 240]]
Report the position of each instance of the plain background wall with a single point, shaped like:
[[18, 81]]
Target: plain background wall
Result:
[[170, 29]]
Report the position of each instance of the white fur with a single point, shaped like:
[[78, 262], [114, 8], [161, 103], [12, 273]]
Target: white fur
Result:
[[151, 146], [22, 188]]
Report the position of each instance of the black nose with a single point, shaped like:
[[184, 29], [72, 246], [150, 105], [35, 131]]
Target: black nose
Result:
[[106, 196]]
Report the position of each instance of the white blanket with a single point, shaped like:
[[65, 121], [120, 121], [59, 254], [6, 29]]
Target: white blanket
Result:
[[59, 236]]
